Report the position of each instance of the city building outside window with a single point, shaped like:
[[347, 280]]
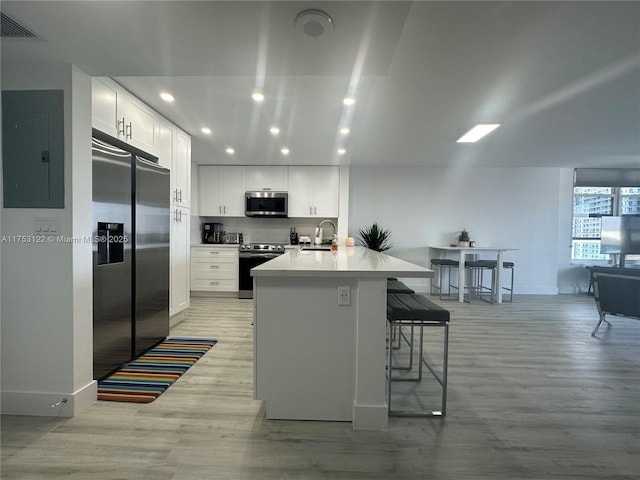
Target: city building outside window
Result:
[[590, 203]]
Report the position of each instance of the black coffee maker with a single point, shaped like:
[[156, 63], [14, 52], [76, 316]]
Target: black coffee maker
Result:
[[212, 233]]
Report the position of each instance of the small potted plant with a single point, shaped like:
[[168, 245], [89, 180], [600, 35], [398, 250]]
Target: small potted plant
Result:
[[375, 238], [463, 238]]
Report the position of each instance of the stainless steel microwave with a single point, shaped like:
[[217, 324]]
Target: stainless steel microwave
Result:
[[266, 204]]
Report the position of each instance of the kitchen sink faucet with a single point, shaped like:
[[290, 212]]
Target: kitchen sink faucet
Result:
[[318, 233]]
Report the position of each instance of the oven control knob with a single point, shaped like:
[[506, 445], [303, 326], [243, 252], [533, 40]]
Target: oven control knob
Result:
[[279, 247]]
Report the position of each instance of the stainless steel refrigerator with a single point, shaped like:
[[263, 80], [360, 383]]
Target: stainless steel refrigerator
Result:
[[130, 253]]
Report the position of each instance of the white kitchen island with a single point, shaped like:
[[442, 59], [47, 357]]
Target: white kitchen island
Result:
[[316, 358]]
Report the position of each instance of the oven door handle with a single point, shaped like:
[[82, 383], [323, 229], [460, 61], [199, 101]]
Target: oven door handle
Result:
[[260, 255]]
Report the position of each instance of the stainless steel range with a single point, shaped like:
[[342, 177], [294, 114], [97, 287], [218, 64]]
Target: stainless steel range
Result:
[[252, 255]]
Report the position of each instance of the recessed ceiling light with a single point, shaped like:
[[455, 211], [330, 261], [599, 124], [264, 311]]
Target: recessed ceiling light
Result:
[[274, 130], [284, 151], [477, 132], [167, 97], [206, 130], [341, 151], [344, 131], [257, 96], [230, 151], [349, 101]]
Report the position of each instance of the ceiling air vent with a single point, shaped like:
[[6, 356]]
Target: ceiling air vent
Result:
[[313, 23], [9, 28]]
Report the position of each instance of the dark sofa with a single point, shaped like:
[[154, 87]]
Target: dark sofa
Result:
[[617, 292]]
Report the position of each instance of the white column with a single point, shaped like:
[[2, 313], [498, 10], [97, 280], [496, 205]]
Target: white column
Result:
[[370, 410]]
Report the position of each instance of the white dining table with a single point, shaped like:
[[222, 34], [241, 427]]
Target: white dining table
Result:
[[444, 251]]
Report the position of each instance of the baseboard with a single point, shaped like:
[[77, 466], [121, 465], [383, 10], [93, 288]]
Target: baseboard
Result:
[[176, 319], [370, 417], [202, 293], [517, 290], [49, 404]]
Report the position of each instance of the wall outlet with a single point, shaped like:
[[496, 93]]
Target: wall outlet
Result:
[[344, 295]]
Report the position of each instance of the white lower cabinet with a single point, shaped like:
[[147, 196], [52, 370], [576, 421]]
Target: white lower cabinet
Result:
[[179, 284], [214, 268]]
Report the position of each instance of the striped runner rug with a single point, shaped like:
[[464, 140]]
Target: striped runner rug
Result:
[[147, 377]]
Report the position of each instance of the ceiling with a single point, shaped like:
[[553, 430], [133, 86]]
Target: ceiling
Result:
[[563, 78]]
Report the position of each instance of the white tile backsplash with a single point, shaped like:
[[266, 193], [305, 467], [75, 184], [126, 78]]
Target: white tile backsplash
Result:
[[268, 230]]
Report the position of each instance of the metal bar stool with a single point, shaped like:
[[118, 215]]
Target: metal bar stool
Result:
[[395, 286], [511, 267], [441, 264], [477, 269], [418, 311]]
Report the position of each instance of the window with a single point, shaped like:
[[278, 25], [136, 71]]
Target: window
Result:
[[589, 204], [629, 200]]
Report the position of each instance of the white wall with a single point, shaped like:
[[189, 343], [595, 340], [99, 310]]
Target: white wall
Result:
[[46, 287], [510, 207]]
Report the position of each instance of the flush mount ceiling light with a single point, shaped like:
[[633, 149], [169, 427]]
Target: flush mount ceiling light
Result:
[[344, 131], [477, 132], [284, 151], [167, 97], [313, 23], [230, 151], [341, 151], [274, 130], [206, 130], [349, 101], [257, 96]]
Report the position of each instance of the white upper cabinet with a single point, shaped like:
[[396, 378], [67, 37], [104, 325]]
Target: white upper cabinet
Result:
[[267, 178], [326, 191], [300, 192], [137, 122], [222, 191], [314, 191], [118, 113], [104, 101]]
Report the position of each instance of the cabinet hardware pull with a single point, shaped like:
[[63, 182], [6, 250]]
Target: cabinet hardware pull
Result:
[[213, 283], [180, 196], [219, 208], [214, 253], [120, 132], [130, 131], [310, 210], [214, 266]]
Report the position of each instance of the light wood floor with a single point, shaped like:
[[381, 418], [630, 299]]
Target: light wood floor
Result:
[[531, 396]]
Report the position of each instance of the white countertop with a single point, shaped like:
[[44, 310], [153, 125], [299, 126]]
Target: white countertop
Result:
[[347, 262]]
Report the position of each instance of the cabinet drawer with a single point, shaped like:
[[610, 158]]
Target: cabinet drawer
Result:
[[217, 269], [198, 261], [214, 253], [214, 284]]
